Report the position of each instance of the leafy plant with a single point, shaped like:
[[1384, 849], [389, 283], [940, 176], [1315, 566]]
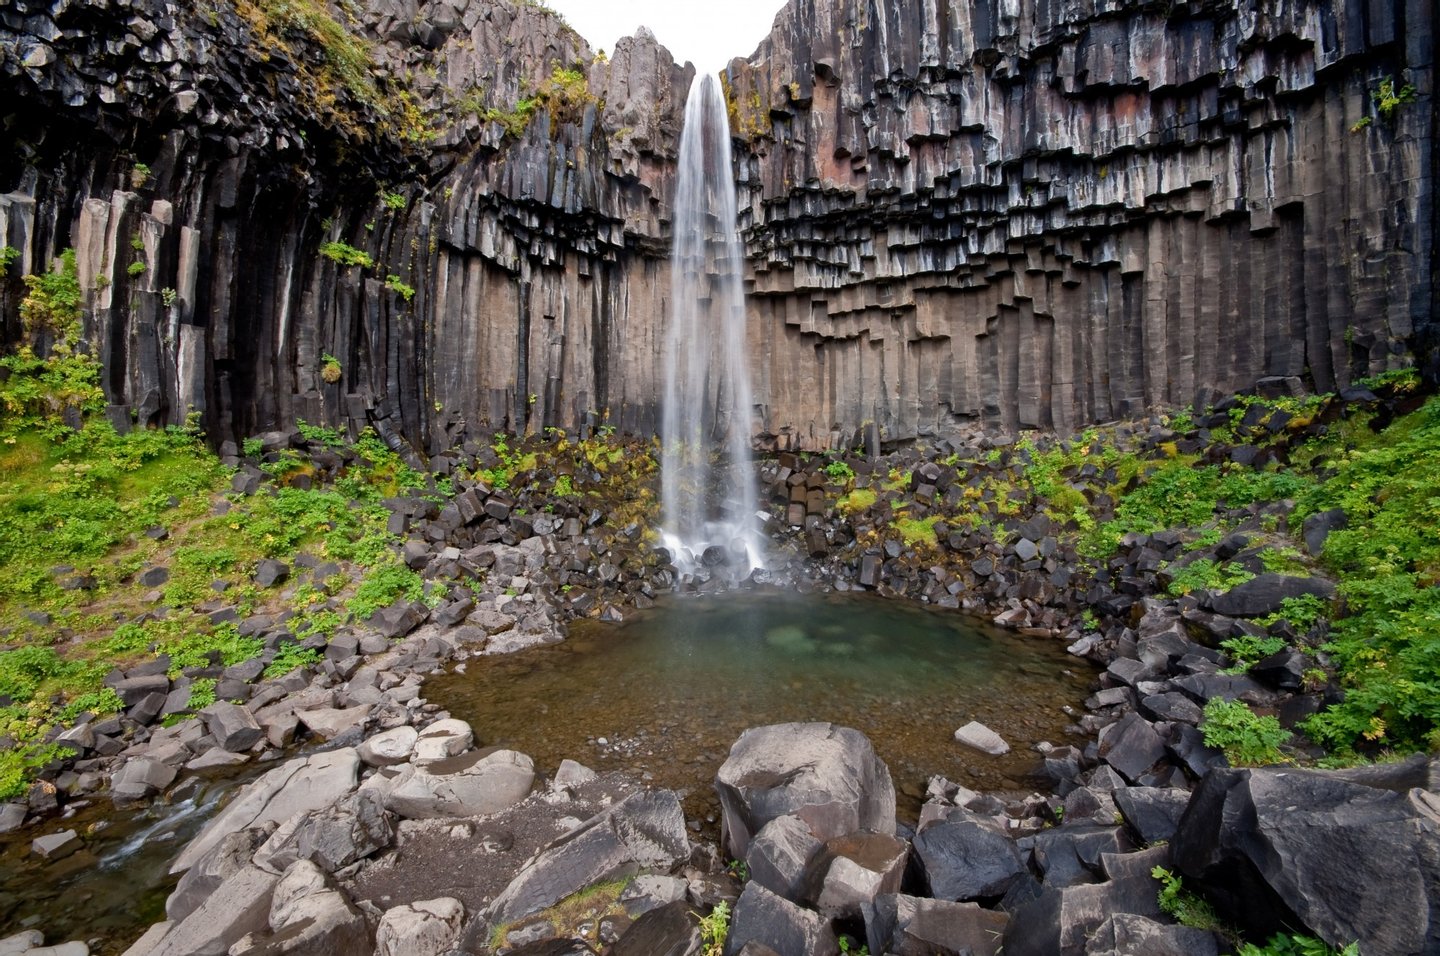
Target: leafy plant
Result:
[[330, 370], [1248, 739], [1388, 98], [346, 254], [395, 285], [1207, 575], [202, 693], [714, 928], [1285, 944], [839, 471], [392, 201], [288, 658], [136, 268], [1187, 908], [8, 255], [1246, 650]]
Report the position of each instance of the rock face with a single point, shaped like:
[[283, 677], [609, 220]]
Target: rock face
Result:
[[1348, 861], [1026, 215]]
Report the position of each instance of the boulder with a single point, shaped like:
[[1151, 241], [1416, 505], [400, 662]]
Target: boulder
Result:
[[55, 846], [389, 747], [1264, 593], [780, 854], [425, 928], [239, 906], [828, 776], [669, 930], [231, 855], [308, 915], [763, 918], [645, 830], [913, 926], [1275, 848], [1071, 855], [1316, 528], [465, 786], [1152, 813], [331, 722], [1059, 922], [332, 837], [139, 779], [442, 740], [648, 892], [963, 859], [854, 869], [1126, 934], [982, 738], [297, 786], [1131, 746], [233, 727]]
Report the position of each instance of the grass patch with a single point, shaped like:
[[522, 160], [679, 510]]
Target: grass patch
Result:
[[857, 501]]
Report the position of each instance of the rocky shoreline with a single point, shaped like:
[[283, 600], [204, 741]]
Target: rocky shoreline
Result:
[[363, 829]]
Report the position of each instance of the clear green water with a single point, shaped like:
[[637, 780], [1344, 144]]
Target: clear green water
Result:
[[671, 689]]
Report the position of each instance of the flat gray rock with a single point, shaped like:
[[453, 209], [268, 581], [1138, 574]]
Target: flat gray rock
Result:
[[979, 737]]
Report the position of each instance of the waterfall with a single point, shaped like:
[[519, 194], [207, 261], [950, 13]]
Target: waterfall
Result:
[[708, 497]]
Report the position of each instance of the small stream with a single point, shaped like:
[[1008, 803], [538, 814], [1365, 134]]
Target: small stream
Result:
[[662, 696], [671, 689], [109, 891]]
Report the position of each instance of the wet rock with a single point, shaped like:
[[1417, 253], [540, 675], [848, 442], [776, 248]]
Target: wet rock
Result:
[[139, 779], [963, 859], [12, 816], [424, 928], [331, 722], [982, 738], [228, 857], [645, 830], [915, 926], [763, 918], [297, 786], [827, 776], [56, 846], [468, 785], [21, 942], [1281, 847]]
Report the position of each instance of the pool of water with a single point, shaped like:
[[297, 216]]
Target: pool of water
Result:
[[666, 693]]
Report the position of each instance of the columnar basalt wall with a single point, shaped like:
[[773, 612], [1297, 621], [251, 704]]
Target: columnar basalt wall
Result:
[[1042, 213], [999, 214]]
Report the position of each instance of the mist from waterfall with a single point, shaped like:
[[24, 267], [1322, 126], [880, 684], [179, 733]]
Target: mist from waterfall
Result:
[[708, 495]]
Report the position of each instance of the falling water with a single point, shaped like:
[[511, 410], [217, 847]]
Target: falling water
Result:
[[707, 484]]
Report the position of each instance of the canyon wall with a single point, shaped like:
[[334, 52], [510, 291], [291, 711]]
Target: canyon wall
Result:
[[996, 213]]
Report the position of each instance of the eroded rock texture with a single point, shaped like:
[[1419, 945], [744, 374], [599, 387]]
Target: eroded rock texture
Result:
[[1030, 213], [1046, 212]]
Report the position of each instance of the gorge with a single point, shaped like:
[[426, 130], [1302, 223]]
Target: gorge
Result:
[[1104, 330], [1036, 215]]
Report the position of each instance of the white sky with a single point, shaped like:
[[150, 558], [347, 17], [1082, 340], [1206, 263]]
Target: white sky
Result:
[[705, 32]]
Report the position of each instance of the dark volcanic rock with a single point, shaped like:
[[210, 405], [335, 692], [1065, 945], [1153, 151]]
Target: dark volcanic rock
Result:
[[1264, 593], [966, 860], [1277, 848], [764, 918], [914, 926]]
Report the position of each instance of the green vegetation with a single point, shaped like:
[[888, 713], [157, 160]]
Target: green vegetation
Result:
[[1284, 944], [288, 658], [136, 268], [714, 928], [1248, 739], [1207, 575], [8, 255], [1247, 650], [395, 285], [392, 201], [856, 501], [918, 532], [839, 471], [1388, 98], [1387, 646], [565, 94], [330, 370], [1187, 908], [346, 255]]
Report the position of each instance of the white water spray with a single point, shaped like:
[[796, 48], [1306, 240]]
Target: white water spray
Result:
[[707, 483]]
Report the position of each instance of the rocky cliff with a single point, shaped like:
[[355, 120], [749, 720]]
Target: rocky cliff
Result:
[[446, 217]]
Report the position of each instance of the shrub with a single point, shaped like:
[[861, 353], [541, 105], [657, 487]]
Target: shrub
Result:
[[839, 471], [1248, 739], [346, 254], [403, 290], [330, 370]]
